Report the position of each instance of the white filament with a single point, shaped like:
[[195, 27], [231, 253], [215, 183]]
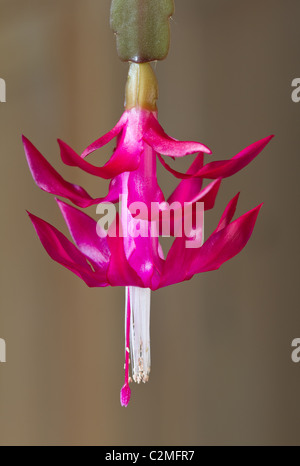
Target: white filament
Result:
[[140, 299]]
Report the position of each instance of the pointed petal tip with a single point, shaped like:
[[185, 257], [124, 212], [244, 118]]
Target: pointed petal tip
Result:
[[61, 204], [236, 197], [253, 213], [269, 138], [31, 216], [64, 207], [63, 145], [260, 205], [34, 219], [59, 201], [27, 144], [207, 150]]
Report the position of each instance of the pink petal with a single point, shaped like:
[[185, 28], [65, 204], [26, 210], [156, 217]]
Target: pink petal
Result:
[[146, 259], [175, 269], [61, 250], [142, 183], [191, 187], [225, 168], [182, 263], [164, 144], [83, 230], [207, 195], [119, 272], [183, 176], [107, 137], [125, 158], [228, 213], [224, 244], [49, 180]]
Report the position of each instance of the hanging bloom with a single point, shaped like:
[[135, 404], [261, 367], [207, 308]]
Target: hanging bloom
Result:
[[137, 262]]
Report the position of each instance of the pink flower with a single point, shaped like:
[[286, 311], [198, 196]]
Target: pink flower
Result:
[[138, 263]]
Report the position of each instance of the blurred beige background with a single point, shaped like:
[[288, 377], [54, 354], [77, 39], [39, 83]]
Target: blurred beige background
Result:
[[221, 344]]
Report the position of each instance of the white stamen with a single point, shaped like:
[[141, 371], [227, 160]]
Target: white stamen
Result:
[[140, 333]]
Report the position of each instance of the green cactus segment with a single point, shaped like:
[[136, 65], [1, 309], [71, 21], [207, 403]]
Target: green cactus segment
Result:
[[142, 29]]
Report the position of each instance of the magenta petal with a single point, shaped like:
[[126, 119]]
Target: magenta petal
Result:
[[207, 195], [146, 259], [224, 244], [183, 176], [191, 187], [182, 263], [84, 232], [49, 180], [61, 250], [225, 168], [125, 158], [107, 137], [164, 144], [142, 183], [176, 265], [228, 213], [120, 273]]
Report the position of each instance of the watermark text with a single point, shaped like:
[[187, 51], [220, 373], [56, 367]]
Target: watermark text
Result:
[[138, 219], [2, 350], [2, 90], [296, 351], [296, 91]]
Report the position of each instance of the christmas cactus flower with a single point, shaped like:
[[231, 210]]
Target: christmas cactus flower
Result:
[[136, 261], [129, 253]]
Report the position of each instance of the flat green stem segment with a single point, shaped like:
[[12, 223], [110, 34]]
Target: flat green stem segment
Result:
[[142, 29]]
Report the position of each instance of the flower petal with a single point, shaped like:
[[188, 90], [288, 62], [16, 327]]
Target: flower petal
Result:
[[120, 273], [183, 176], [125, 158], [107, 137], [228, 213], [146, 258], [83, 230], [164, 144], [176, 265], [61, 250], [191, 187], [142, 183], [182, 263], [49, 180], [225, 168], [207, 195], [224, 244]]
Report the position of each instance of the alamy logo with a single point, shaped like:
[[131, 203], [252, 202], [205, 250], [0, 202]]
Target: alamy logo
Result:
[[137, 219], [2, 350], [296, 351], [2, 90], [296, 91]]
